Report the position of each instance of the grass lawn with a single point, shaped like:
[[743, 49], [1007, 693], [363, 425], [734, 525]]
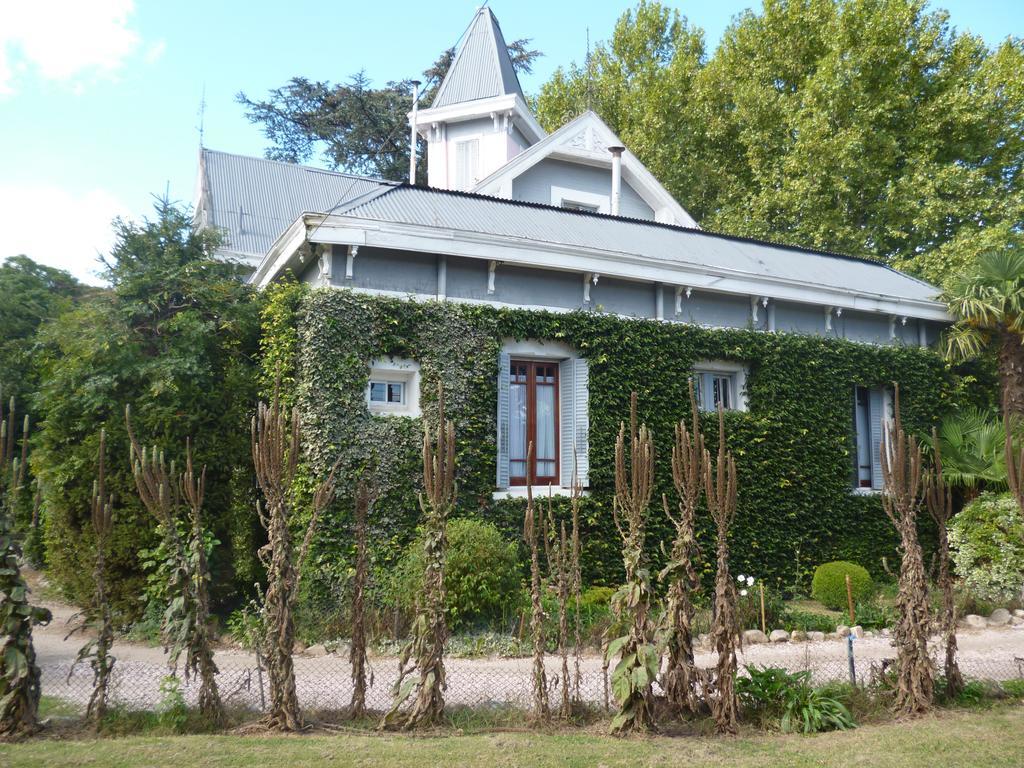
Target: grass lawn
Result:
[[991, 737]]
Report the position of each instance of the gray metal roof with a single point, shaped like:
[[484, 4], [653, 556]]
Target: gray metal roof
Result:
[[699, 248], [481, 68], [253, 200]]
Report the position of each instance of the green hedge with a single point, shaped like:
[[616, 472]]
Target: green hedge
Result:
[[829, 584], [793, 446]]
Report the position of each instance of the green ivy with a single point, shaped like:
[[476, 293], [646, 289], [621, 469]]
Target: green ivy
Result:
[[793, 446]]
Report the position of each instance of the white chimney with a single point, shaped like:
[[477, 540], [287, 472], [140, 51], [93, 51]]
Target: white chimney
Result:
[[412, 131], [616, 177]]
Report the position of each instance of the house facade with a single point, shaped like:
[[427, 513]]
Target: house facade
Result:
[[513, 222]]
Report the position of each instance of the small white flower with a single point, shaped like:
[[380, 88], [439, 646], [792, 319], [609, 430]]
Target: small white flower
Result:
[[741, 578], [750, 581], [743, 593]]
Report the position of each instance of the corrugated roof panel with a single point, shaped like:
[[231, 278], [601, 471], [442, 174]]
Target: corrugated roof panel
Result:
[[494, 216], [253, 200], [482, 67]]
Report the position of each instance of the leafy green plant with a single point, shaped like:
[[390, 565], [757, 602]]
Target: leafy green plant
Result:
[[874, 614], [811, 710], [788, 697], [748, 605], [1014, 688], [987, 540], [171, 710], [829, 584], [483, 582], [806, 621]]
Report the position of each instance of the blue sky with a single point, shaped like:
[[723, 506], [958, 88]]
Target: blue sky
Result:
[[99, 100]]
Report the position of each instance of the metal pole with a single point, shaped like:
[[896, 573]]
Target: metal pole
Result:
[[412, 131], [849, 656]]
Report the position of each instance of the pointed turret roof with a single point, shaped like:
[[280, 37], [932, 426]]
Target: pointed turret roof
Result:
[[481, 68]]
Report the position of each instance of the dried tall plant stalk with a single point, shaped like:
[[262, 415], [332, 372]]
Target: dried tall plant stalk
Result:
[[276, 447], [533, 531], [720, 489], [559, 556], [98, 616], [19, 673], [901, 498], [639, 659], [357, 649], [164, 491], [576, 584], [939, 499], [424, 679], [680, 678]]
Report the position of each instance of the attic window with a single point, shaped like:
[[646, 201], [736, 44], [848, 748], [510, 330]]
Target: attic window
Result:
[[572, 205]]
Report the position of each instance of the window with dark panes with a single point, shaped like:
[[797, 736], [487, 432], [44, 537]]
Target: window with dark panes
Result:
[[533, 418]]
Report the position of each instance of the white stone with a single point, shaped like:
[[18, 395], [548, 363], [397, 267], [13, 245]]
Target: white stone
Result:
[[857, 632], [816, 637], [1016, 621], [832, 636], [754, 637], [316, 650], [1000, 618], [1019, 613], [974, 621], [798, 636], [842, 630], [778, 636], [884, 632], [869, 633]]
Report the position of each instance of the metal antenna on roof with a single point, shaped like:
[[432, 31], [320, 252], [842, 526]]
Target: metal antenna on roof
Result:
[[202, 116]]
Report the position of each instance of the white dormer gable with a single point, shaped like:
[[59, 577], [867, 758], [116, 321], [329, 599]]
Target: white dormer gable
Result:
[[572, 167], [479, 119]]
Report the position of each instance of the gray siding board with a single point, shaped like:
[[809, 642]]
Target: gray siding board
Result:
[[535, 185], [860, 326], [537, 287], [713, 309], [388, 270], [799, 318], [467, 279], [623, 297]]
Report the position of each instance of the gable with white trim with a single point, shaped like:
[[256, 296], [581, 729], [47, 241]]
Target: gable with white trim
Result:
[[576, 158]]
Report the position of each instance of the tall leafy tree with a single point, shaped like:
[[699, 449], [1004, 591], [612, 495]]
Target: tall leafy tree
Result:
[[353, 126], [30, 293], [863, 126], [987, 301], [175, 337]]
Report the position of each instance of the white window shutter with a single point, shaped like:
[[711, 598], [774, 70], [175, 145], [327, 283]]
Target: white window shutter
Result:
[[504, 369], [566, 419], [877, 436], [581, 401]]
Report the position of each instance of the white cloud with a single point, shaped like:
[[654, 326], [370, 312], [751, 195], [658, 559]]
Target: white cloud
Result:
[[64, 40], [154, 52], [54, 227]]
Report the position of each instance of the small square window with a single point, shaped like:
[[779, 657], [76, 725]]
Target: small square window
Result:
[[393, 388], [718, 385]]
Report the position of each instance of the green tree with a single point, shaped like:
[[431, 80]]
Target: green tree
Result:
[[987, 301], [30, 293], [973, 447], [355, 127], [176, 338], [863, 126]]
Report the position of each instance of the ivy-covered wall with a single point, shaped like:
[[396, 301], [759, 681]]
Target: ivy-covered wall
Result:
[[792, 446]]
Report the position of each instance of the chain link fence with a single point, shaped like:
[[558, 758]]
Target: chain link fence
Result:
[[324, 683]]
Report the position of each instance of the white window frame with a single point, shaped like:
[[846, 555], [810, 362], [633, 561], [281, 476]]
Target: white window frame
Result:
[[887, 420], [562, 195], [736, 371], [395, 370], [538, 351]]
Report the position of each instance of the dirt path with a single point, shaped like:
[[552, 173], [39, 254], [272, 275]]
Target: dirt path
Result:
[[323, 681]]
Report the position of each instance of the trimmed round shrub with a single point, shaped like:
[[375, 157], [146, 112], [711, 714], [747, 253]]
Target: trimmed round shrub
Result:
[[987, 542], [829, 584], [482, 579]]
